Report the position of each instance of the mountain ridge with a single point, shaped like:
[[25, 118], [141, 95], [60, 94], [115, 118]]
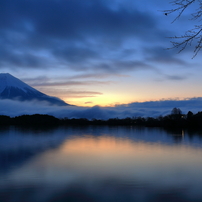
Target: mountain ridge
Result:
[[14, 89]]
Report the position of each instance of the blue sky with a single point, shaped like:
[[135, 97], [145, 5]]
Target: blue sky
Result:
[[98, 52]]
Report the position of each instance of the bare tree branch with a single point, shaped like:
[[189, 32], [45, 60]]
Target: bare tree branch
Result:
[[181, 7], [192, 35]]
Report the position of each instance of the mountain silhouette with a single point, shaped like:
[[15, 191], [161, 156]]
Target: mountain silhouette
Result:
[[14, 89]]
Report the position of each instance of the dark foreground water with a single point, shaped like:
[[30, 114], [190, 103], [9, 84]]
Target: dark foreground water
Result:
[[100, 164]]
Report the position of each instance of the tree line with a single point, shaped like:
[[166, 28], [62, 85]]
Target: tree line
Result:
[[176, 119]]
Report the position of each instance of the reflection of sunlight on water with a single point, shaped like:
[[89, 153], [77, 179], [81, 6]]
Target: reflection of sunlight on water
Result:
[[115, 162], [107, 156]]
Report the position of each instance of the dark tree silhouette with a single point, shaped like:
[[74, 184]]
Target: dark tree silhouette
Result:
[[189, 115], [176, 111], [193, 35], [173, 120]]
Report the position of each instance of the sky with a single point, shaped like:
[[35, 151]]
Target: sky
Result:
[[99, 52]]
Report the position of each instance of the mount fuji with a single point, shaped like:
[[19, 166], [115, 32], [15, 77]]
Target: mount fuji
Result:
[[14, 89]]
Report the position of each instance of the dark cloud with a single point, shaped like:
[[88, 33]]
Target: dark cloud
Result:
[[9, 58], [161, 54], [74, 93], [70, 83], [119, 66], [96, 75], [76, 54], [176, 77], [75, 33], [79, 80], [79, 94], [128, 52], [84, 92], [70, 93], [89, 102], [35, 80], [131, 65], [76, 18], [173, 77]]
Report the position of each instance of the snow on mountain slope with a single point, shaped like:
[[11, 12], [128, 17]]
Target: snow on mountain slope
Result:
[[13, 88], [7, 80]]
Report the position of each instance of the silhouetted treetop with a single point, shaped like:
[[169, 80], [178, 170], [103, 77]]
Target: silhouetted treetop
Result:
[[176, 111]]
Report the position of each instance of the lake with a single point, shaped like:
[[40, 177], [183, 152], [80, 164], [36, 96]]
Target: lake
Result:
[[100, 164]]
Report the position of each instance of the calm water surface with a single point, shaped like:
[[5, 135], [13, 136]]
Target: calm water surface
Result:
[[100, 164]]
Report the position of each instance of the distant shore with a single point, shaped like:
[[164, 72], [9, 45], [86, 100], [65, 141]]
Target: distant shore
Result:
[[174, 120]]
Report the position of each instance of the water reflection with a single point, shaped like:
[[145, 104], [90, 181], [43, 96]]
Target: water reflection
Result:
[[99, 164]]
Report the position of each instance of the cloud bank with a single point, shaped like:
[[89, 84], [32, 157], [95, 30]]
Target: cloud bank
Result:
[[136, 109]]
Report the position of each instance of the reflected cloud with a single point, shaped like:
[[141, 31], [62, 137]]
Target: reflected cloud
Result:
[[19, 146], [90, 165], [97, 157]]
